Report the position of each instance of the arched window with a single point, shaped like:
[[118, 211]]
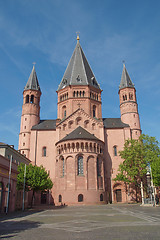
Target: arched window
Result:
[[78, 119], [83, 93], [101, 197], [27, 99], [80, 198], [86, 122], [115, 150], [70, 124], [44, 151], [60, 198], [64, 112], [130, 96], [74, 94], [32, 99], [94, 111], [80, 165]]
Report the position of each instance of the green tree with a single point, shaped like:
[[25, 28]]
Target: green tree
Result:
[[152, 156], [36, 179], [138, 155]]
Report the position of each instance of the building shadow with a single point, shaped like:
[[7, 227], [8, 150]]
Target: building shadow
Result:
[[10, 228]]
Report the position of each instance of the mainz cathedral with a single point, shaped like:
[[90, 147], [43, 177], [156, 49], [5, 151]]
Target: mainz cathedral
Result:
[[79, 149]]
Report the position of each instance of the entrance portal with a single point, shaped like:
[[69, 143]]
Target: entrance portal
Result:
[[118, 195]]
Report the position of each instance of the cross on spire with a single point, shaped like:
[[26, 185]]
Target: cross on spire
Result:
[[77, 36]]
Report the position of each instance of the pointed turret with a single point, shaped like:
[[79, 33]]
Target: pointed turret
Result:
[[30, 112], [78, 71], [32, 83], [128, 104], [125, 79]]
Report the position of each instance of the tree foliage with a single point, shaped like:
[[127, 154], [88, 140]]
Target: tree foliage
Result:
[[36, 179], [138, 155]]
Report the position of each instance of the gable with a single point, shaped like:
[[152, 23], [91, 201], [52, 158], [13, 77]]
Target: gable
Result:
[[80, 118]]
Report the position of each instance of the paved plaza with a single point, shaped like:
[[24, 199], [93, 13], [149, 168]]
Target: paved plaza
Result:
[[101, 222]]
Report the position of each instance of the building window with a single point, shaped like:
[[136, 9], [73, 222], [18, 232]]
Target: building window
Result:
[[64, 112], [78, 120], [23, 144], [32, 99], [70, 124], [124, 97], [27, 99], [80, 198], [86, 122], [60, 198], [94, 111], [101, 197], [130, 96], [44, 151], [115, 150], [80, 165]]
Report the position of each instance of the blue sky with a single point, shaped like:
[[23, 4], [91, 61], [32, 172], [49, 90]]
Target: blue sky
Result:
[[44, 31]]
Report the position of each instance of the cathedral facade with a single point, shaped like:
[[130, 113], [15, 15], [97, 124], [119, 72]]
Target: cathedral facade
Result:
[[79, 149]]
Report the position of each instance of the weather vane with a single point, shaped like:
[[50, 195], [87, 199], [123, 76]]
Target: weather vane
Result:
[[123, 62], [34, 63]]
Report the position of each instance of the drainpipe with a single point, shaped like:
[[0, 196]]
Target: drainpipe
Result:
[[36, 150]]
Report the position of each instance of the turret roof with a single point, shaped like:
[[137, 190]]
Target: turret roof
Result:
[[78, 71], [125, 79], [32, 83]]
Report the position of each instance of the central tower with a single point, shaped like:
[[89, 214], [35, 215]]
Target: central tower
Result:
[[79, 87]]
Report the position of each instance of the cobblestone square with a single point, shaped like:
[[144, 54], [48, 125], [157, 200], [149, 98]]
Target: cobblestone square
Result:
[[83, 222]]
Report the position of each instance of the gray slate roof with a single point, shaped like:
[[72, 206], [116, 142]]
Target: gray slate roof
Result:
[[114, 123], [108, 123], [125, 79], [78, 71], [45, 125], [33, 83], [79, 133]]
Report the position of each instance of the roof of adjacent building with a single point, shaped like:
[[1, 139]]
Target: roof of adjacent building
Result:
[[45, 125], [79, 133], [78, 71], [114, 123], [32, 83], [125, 79]]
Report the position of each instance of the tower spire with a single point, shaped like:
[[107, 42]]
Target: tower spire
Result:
[[33, 83], [125, 79]]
